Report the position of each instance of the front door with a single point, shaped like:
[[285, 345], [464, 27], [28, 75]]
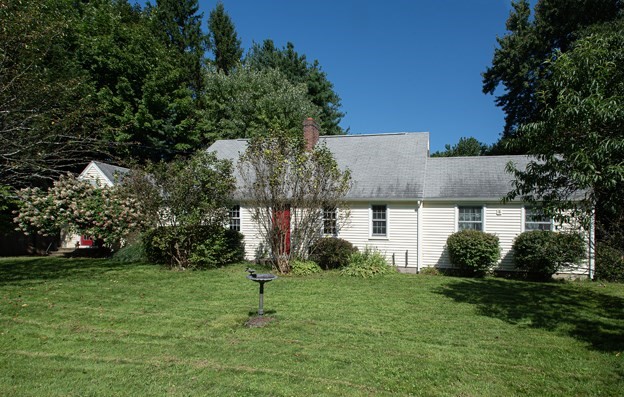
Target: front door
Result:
[[281, 221]]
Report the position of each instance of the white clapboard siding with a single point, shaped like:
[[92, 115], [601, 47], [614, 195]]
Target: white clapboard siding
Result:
[[253, 239], [504, 221], [402, 230], [438, 224], [94, 173]]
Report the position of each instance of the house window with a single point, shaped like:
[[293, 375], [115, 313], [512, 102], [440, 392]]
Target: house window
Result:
[[329, 222], [379, 220], [470, 218], [235, 218], [534, 219]]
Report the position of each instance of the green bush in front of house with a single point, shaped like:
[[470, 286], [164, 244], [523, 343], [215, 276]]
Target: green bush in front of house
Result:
[[331, 252], [193, 247], [609, 263], [366, 264], [473, 251], [542, 253], [304, 268]]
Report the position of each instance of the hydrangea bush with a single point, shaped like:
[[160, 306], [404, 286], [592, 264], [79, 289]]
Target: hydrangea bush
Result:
[[79, 207]]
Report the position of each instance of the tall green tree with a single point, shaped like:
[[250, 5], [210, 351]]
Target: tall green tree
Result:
[[249, 103], [49, 121], [465, 147], [518, 64], [178, 22], [579, 141], [299, 71], [144, 83], [223, 40]]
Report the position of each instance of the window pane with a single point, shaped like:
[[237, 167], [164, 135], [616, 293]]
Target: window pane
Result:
[[329, 221], [379, 221], [536, 220], [235, 218], [470, 218]]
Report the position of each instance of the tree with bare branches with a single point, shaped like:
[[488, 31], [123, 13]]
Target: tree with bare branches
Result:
[[289, 190]]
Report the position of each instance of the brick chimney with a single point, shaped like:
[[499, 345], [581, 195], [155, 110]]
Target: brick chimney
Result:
[[310, 133]]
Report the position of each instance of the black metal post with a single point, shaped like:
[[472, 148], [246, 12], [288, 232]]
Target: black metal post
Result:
[[261, 304]]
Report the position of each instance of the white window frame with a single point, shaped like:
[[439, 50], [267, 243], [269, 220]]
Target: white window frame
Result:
[[232, 217], [372, 220], [333, 219], [481, 221], [525, 213]]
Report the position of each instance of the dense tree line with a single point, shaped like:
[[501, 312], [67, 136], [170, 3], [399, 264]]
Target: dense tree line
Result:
[[108, 80]]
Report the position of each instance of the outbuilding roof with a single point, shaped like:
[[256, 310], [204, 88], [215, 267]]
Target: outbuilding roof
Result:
[[397, 166], [111, 173]]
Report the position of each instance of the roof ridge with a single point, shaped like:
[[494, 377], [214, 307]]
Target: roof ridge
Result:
[[374, 134]]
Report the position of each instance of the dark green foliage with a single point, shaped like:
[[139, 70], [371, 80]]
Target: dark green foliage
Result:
[[249, 103], [465, 147], [223, 40], [331, 252], [304, 268], [609, 263], [49, 122], [131, 253], [178, 24], [520, 63], [580, 139], [194, 246], [299, 71], [369, 263], [187, 201], [542, 253], [473, 251]]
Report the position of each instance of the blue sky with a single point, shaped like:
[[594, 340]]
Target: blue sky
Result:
[[397, 65]]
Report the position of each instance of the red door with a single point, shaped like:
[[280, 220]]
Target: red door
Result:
[[86, 240], [281, 221]]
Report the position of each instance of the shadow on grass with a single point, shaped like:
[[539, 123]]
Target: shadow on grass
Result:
[[41, 269], [588, 316]]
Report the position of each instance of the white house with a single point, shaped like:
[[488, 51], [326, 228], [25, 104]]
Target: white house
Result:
[[406, 204], [100, 174]]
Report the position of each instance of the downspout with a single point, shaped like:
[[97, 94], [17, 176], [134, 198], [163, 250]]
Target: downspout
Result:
[[591, 245], [419, 236]]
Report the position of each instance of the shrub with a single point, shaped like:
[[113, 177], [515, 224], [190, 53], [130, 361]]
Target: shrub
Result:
[[331, 252], [609, 263], [430, 271], [194, 246], [304, 268], [542, 253], [473, 251], [367, 264], [134, 252]]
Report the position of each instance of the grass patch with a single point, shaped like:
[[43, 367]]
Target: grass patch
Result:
[[95, 327]]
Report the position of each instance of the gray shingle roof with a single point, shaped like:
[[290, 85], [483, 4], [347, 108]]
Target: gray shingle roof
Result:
[[397, 166], [110, 171], [481, 177]]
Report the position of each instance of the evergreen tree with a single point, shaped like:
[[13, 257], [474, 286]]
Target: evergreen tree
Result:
[[580, 139], [179, 25], [223, 40], [465, 147], [144, 87], [298, 70], [519, 64], [249, 103]]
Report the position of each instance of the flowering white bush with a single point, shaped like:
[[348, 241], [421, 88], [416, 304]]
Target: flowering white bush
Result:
[[79, 207]]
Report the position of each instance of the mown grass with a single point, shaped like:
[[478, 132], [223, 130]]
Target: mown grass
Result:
[[96, 328]]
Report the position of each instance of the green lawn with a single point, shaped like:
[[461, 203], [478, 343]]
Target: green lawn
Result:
[[87, 327]]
